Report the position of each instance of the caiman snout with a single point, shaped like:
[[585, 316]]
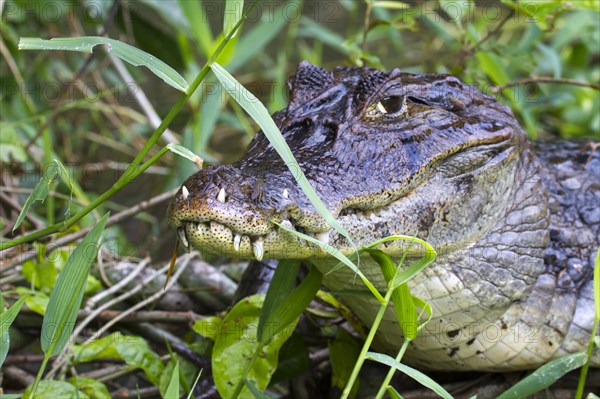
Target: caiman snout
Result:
[[225, 211]]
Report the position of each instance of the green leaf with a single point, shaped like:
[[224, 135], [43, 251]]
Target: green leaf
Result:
[[233, 13], [255, 392], [184, 152], [235, 344], [37, 301], [343, 352], [41, 189], [6, 319], [208, 327], [91, 387], [493, 68], [293, 359], [67, 294], [545, 376], [54, 389], [199, 24], [412, 373], [340, 256], [12, 147], [40, 275], [172, 391], [281, 286], [124, 51], [132, 350], [401, 297], [286, 312], [425, 307], [393, 393], [259, 113]]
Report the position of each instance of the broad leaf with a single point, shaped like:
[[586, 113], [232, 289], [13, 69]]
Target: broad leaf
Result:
[[132, 350]]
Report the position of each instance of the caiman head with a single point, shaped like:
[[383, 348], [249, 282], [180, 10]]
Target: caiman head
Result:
[[387, 152]]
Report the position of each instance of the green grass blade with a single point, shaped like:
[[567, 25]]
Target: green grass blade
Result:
[[393, 393], [401, 297], [40, 191], [292, 306], [340, 256], [6, 319], [185, 153], [399, 237], [194, 385], [199, 24], [67, 294], [124, 51], [544, 376], [425, 307], [259, 113], [280, 287], [409, 371], [172, 391], [233, 13]]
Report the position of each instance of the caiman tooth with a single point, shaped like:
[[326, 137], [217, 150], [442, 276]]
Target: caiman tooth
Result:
[[236, 241], [258, 249], [222, 195], [183, 238], [323, 237], [287, 224], [285, 193], [184, 192]]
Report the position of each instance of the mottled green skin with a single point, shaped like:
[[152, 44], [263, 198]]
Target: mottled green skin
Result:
[[515, 227]]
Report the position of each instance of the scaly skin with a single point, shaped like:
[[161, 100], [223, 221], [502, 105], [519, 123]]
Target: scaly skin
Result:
[[516, 228]]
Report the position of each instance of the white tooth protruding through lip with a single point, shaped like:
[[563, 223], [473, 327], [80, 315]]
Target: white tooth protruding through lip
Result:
[[323, 237], [258, 249], [184, 192], [285, 193], [236, 241], [183, 237], [221, 196]]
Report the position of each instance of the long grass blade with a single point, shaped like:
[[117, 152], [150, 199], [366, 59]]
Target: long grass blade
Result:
[[124, 51], [67, 294], [409, 371], [233, 13], [544, 376]]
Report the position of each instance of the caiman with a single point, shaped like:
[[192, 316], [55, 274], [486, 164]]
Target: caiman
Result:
[[516, 224]]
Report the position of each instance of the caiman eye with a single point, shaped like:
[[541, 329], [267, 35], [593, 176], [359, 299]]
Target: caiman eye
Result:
[[391, 105]]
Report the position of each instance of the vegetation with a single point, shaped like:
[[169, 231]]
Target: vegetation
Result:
[[82, 137]]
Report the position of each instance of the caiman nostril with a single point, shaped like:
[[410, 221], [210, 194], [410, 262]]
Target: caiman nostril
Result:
[[221, 196]]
